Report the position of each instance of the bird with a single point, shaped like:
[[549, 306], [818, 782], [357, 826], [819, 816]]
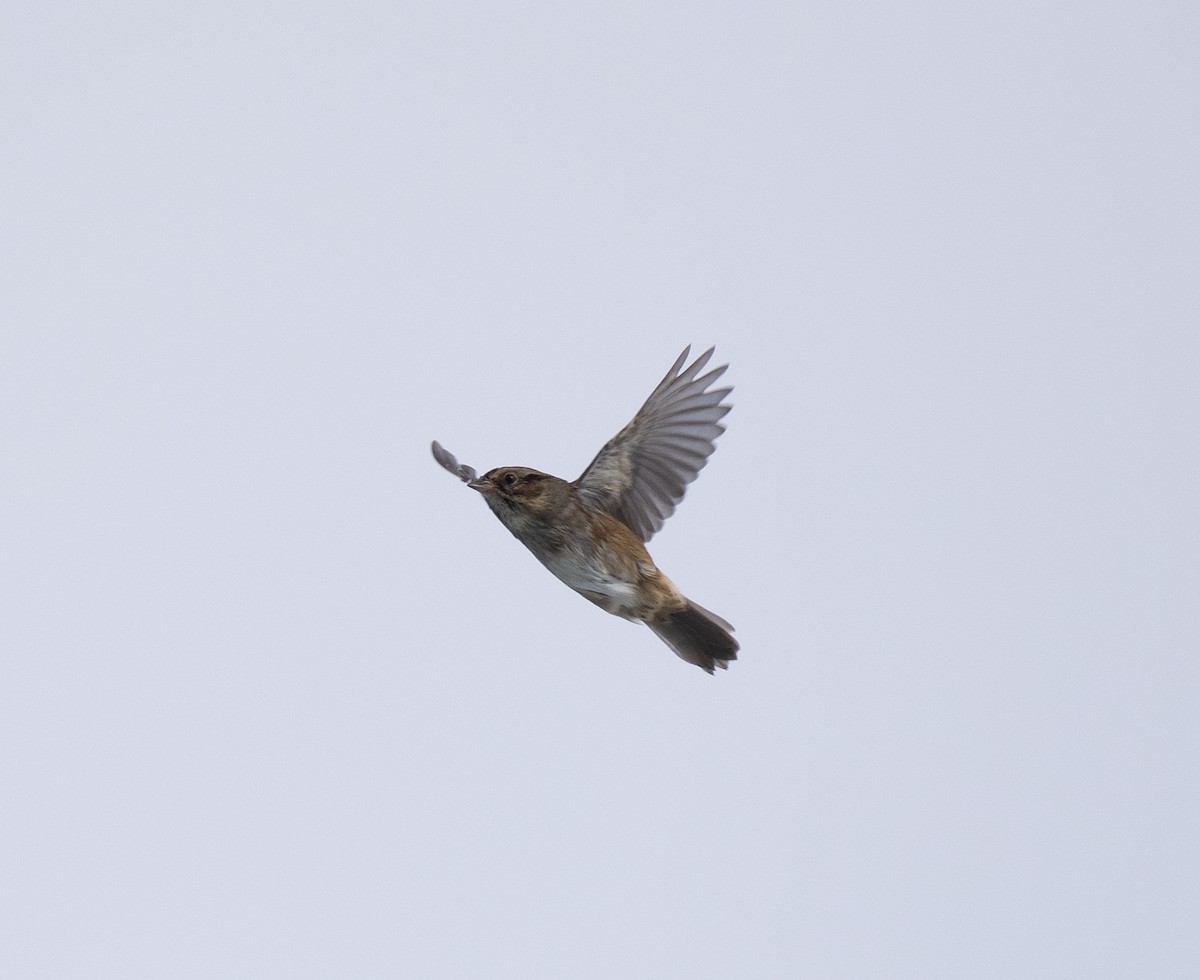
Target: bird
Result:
[[591, 533]]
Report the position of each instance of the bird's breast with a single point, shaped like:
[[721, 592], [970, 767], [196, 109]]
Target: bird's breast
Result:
[[616, 573]]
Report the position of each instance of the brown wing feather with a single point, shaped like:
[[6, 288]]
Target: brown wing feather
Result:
[[642, 473]]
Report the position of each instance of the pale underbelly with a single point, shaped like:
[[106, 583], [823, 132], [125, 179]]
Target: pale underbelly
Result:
[[610, 592]]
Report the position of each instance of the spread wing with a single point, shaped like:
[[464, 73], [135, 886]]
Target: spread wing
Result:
[[642, 472], [448, 462]]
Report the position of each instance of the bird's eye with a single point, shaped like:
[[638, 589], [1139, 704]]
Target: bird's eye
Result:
[[510, 479]]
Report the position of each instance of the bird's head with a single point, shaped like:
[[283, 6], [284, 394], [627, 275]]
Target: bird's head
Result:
[[517, 493]]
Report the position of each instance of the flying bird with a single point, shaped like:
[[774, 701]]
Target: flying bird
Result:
[[591, 533]]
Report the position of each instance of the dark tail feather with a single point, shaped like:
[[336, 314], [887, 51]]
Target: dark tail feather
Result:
[[699, 637]]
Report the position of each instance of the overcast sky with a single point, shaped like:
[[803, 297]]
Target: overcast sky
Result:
[[280, 698]]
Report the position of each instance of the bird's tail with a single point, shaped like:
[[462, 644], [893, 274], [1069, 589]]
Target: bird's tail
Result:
[[699, 637]]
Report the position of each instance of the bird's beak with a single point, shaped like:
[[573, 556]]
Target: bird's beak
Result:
[[483, 486]]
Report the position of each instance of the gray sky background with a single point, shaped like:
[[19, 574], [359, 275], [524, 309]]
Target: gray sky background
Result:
[[279, 698]]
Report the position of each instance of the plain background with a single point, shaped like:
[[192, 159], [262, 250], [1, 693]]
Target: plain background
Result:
[[279, 698]]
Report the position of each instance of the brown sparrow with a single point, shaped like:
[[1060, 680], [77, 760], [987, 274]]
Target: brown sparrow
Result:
[[590, 533]]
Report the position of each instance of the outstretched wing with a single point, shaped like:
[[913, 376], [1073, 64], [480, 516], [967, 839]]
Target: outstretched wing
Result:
[[461, 470], [642, 472]]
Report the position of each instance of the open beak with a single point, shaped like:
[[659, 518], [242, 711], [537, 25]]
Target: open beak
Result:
[[482, 485]]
